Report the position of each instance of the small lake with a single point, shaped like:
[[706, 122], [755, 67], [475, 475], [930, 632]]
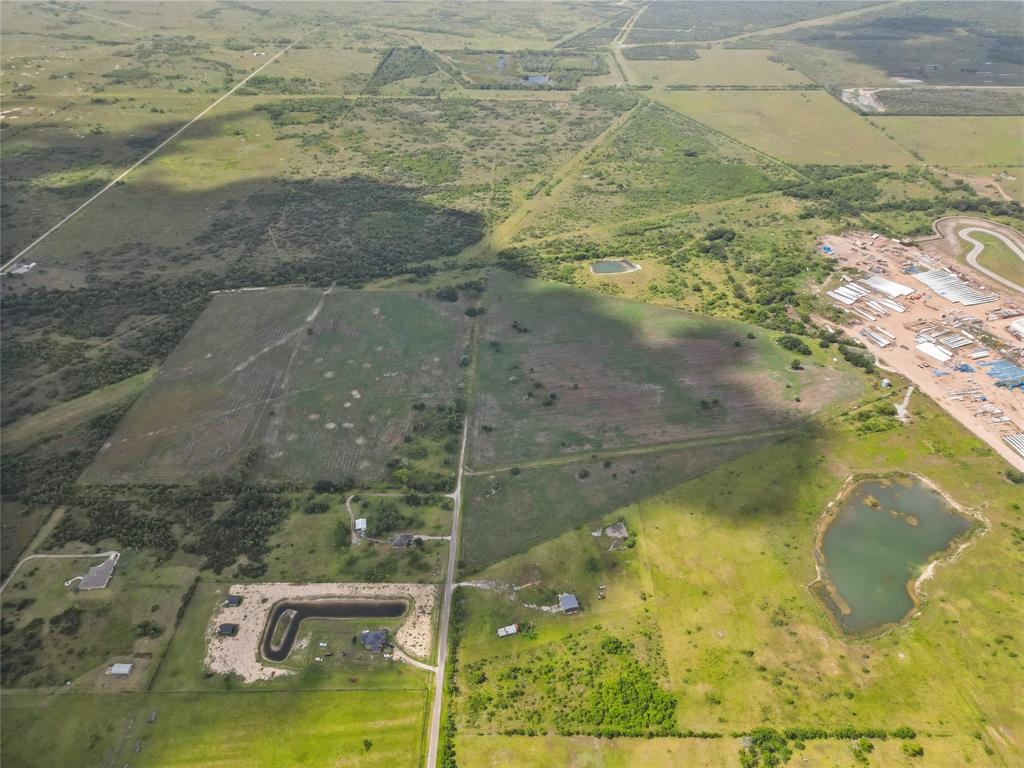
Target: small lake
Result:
[[877, 544], [299, 611], [612, 267]]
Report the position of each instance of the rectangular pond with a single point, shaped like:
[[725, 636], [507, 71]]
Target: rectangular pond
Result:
[[872, 550]]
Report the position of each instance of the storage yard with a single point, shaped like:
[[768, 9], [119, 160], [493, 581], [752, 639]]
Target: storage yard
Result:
[[960, 341]]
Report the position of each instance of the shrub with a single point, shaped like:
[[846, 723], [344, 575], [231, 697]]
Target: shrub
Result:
[[793, 344], [913, 749]]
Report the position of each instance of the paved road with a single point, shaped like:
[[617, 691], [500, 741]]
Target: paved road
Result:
[[104, 555], [446, 610], [972, 257]]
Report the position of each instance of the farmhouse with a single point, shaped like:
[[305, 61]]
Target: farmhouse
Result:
[[233, 601], [567, 603], [98, 577], [375, 640], [511, 629], [227, 630]]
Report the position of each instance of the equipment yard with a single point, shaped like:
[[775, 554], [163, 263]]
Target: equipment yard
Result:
[[945, 331]]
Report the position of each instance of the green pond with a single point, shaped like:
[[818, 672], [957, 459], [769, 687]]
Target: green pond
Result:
[[610, 267], [882, 536]]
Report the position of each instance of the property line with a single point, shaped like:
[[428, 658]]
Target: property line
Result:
[[145, 157]]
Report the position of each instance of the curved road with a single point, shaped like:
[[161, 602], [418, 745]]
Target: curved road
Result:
[[978, 247]]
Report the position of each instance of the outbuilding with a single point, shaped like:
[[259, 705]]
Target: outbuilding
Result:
[[120, 670], [511, 629], [227, 630], [361, 526], [567, 603], [233, 601]]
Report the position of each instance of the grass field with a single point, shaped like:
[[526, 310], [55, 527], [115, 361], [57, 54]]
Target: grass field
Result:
[[722, 561], [325, 728], [968, 143], [323, 385], [622, 374], [1000, 259], [56, 636], [795, 127], [716, 66]]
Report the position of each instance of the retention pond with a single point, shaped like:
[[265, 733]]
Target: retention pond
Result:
[[613, 266], [875, 545], [278, 640]]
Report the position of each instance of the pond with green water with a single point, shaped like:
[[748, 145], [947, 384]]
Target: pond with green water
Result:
[[876, 545], [612, 267]]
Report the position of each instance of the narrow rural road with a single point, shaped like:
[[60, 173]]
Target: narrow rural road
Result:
[[978, 247], [446, 609], [120, 177], [24, 560]]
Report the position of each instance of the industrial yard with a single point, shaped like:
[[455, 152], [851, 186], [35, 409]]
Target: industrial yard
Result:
[[956, 338]]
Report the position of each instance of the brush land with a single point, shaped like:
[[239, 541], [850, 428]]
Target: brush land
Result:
[[420, 192]]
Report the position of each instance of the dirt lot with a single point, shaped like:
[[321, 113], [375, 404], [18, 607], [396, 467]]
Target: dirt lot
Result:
[[971, 397], [240, 654]]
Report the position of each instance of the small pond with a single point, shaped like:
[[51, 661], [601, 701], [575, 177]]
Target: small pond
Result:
[[612, 267], [876, 545], [295, 612]]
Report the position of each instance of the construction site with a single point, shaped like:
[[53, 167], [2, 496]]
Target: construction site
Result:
[[960, 341]]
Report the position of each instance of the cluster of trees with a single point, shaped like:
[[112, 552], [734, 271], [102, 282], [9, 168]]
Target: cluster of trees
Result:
[[793, 344], [400, 64]]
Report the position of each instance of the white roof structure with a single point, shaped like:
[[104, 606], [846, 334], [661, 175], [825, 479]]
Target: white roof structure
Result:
[[1017, 327], [889, 287], [934, 351], [360, 523], [1016, 442], [952, 288], [120, 669], [511, 629]]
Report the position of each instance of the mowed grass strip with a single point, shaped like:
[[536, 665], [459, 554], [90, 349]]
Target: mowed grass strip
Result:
[[562, 371], [799, 127], [320, 382]]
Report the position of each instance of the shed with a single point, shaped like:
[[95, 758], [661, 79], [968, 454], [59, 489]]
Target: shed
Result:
[[120, 670], [567, 603], [374, 640], [511, 629], [233, 601], [228, 630], [361, 526]]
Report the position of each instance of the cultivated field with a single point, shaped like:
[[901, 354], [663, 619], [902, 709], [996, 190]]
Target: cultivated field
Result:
[[971, 144], [795, 127], [561, 371], [321, 386], [715, 66]]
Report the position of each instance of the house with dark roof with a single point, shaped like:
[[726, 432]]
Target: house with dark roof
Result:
[[374, 640], [233, 601], [567, 603], [227, 630]]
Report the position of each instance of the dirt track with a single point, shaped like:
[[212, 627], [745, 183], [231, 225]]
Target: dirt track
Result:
[[952, 231]]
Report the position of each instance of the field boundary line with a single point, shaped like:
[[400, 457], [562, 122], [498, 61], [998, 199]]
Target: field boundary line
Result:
[[639, 450], [120, 177]]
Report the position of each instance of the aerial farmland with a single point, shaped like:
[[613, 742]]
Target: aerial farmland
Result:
[[511, 384]]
